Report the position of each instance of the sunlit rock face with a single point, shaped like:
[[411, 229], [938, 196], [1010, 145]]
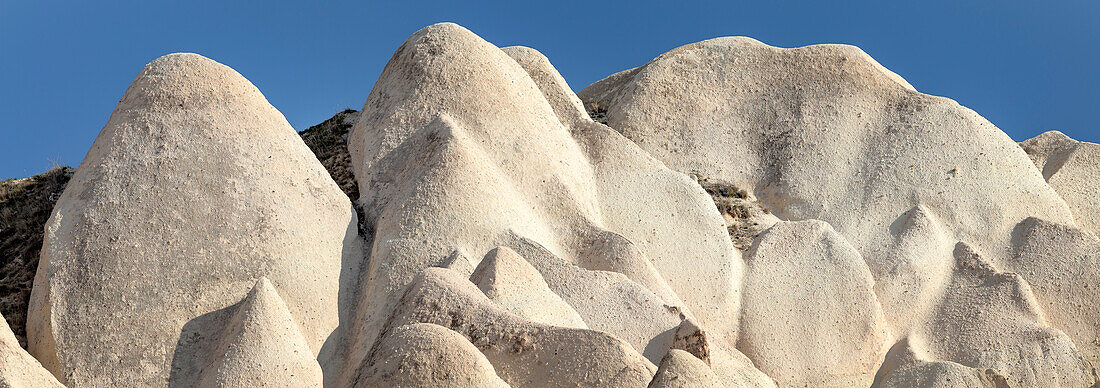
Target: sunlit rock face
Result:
[[729, 214], [194, 190]]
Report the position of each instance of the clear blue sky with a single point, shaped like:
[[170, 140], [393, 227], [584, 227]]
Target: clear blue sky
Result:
[[1026, 66]]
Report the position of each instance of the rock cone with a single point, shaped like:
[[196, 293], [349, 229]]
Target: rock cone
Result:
[[194, 189], [729, 214]]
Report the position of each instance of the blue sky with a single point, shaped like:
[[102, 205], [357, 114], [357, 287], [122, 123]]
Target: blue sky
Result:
[[1026, 66]]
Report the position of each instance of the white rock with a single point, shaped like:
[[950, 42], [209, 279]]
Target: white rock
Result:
[[631, 186], [680, 369], [260, 345], [1062, 265], [523, 353], [1071, 167], [423, 355], [458, 149], [810, 315], [825, 132], [513, 284], [991, 319], [194, 189], [17, 368], [942, 374]]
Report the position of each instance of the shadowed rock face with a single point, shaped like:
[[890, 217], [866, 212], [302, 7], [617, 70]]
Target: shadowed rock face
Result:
[[752, 215]]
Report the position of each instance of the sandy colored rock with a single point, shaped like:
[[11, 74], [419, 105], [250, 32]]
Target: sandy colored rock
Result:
[[260, 345], [942, 374], [728, 367], [194, 189], [17, 368], [459, 262], [429, 356], [631, 184], [1071, 167], [991, 320], [810, 316], [1062, 265], [825, 132], [450, 158], [513, 284], [523, 353], [607, 301], [916, 268], [680, 369]]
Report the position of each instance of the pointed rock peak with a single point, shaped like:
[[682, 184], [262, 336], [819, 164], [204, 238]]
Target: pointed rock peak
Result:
[[1049, 151], [523, 353], [502, 268], [691, 338], [513, 283], [1033, 229], [972, 266], [1047, 141], [920, 218], [262, 344], [444, 127], [262, 300], [682, 370]]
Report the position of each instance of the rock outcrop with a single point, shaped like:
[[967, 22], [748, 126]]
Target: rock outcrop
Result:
[[810, 314], [729, 214], [194, 189], [991, 320], [428, 356], [523, 353], [512, 283], [1071, 168], [450, 158], [17, 367], [825, 132]]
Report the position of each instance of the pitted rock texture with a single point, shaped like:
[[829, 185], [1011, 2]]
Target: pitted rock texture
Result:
[[730, 214], [194, 189]]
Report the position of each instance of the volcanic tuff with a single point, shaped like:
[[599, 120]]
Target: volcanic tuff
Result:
[[730, 214]]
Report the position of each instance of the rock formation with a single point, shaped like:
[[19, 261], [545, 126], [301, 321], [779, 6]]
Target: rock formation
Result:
[[194, 189], [810, 315], [260, 343], [729, 214], [17, 367], [1071, 168]]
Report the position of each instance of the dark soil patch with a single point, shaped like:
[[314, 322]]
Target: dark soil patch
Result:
[[738, 208], [329, 141]]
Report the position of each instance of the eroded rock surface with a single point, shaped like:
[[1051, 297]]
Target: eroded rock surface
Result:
[[194, 189], [810, 314], [1071, 168]]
